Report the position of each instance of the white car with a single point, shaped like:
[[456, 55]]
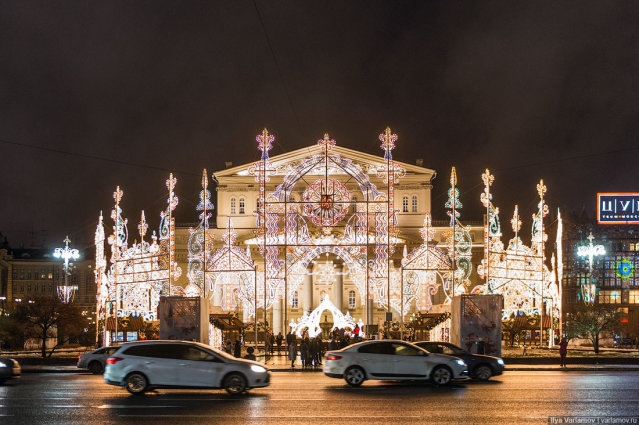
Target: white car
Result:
[[96, 360], [392, 360], [140, 366]]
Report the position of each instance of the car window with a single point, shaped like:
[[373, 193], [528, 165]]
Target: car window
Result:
[[192, 353], [111, 350], [451, 351], [101, 351], [431, 348], [405, 350], [377, 348], [163, 351]]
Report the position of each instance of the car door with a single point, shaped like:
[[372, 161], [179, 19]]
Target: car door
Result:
[[156, 361], [409, 362], [199, 368], [377, 359], [455, 351]]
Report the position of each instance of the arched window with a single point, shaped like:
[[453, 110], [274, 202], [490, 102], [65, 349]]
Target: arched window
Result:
[[74, 281], [233, 205], [414, 204], [351, 299], [295, 302], [242, 202], [405, 203]]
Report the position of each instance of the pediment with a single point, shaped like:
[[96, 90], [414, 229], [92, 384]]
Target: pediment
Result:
[[282, 164]]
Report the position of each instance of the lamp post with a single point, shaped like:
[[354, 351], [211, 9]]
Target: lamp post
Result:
[[588, 292], [66, 292]]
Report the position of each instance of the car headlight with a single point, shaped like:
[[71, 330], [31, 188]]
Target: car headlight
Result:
[[460, 362], [258, 369], [500, 361], [3, 364]]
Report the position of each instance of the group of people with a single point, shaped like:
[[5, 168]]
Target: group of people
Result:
[[311, 350]]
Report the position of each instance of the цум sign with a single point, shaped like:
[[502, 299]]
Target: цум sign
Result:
[[618, 208]]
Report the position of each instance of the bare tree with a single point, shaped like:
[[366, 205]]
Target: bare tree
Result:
[[47, 318], [592, 322]]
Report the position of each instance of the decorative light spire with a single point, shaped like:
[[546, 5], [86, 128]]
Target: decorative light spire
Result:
[[388, 143], [143, 226], [486, 196], [326, 144], [205, 204], [516, 221], [265, 143]]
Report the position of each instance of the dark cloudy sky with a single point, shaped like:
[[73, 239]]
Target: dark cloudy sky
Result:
[[105, 93]]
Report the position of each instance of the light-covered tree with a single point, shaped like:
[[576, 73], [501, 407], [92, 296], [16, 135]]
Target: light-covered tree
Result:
[[593, 321]]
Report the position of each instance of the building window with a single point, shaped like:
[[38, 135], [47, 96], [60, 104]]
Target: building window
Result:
[[50, 275], [351, 299], [233, 202], [242, 201], [28, 275], [295, 300], [74, 281], [90, 279], [633, 296], [405, 203], [610, 297], [414, 204], [28, 287]]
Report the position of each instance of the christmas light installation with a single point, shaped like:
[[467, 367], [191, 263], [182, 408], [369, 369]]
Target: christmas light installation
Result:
[[518, 272], [200, 245], [66, 292], [311, 322], [459, 244], [589, 290], [140, 273]]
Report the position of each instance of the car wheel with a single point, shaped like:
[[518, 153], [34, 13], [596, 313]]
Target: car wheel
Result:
[[354, 376], [95, 367], [441, 375], [136, 383], [483, 372], [235, 383]]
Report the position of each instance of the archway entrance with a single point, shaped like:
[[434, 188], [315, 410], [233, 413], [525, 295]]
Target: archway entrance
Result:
[[312, 323]]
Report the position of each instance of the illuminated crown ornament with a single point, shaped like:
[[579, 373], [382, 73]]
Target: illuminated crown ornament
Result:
[[326, 144], [265, 143], [516, 221], [388, 142]]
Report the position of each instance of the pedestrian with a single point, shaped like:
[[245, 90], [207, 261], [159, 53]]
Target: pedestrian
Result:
[[563, 350], [356, 333], [279, 340], [228, 347], [304, 352], [267, 344], [481, 347], [292, 351], [249, 354], [332, 345], [271, 342], [237, 350]]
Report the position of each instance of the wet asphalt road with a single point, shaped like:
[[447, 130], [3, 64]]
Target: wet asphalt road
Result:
[[312, 398]]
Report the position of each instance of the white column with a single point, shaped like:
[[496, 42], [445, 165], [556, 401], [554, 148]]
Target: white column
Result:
[[217, 297], [307, 294], [338, 289], [277, 317]]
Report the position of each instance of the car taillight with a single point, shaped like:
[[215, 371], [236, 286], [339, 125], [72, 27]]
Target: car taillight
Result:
[[113, 360], [79, 357], [333, 357]]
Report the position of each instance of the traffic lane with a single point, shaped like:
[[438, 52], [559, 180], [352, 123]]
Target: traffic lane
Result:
[[516, 397]]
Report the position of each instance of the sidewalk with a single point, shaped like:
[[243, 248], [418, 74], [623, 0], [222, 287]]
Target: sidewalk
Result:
[[282, 364]]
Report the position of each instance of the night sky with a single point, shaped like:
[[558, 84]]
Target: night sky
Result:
[[104, 93]]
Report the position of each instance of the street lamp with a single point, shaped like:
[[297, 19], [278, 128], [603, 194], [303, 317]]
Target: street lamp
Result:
[[66, 292], [588, 292]]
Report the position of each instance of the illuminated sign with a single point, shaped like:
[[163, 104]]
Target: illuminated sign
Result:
[[618, 208]]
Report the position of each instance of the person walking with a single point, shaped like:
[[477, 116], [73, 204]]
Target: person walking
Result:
[[249, 353], [356, 333], [237, 350], [304, 352], [278, 339], [292, 351], [229, 346], [563, 350], [271, 342]]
